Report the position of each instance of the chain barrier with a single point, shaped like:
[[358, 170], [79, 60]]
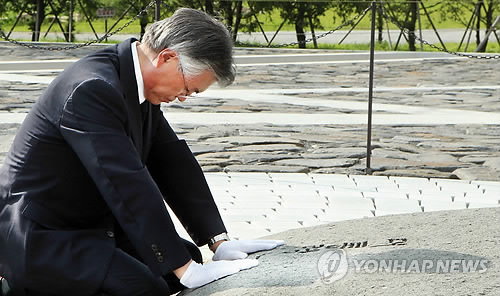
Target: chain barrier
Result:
[[350, 22], [309, 39], [407, 33], [98, 40]]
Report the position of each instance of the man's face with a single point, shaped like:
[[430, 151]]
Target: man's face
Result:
[[165, 82]]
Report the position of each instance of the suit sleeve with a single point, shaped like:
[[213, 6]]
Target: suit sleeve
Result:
[[181, 180], [92, 123]]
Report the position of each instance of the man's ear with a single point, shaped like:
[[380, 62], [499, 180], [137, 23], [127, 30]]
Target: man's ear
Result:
[[164, 56]]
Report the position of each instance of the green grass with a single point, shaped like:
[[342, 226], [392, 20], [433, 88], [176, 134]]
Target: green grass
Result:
[[84, 27], [270, 22], [493, 47]]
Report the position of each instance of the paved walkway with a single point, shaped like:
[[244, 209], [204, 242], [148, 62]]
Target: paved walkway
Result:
[[284, 147]]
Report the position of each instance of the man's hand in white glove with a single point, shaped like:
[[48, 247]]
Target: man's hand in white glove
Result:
[[198, 275], [233, 250]]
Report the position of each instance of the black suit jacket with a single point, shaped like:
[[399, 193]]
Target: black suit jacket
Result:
[[87, 161]]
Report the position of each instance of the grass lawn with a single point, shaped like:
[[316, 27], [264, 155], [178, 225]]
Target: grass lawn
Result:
[[493, 47], [270, 22]]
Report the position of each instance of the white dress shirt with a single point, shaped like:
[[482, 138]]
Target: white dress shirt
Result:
[[138, 74]]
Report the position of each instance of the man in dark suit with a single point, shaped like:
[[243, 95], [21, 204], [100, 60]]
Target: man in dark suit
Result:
[[82, 189]]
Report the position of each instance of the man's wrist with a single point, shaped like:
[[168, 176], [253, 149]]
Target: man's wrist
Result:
[[214, 247], [179, 272], [217, 240]]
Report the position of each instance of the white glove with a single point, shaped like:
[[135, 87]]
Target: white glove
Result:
[[197, 275], [232, 250]]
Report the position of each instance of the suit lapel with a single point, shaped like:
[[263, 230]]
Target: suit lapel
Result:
[[129, 86]]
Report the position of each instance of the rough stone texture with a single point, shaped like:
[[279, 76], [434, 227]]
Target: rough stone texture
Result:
[[468, 152], [460, 235], [478, 173]]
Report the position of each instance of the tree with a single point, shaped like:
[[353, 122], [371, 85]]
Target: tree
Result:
[[483, 12], [229, 12], [299, 13], [133, 7], [35, 8], [402, 13], [39, 9]]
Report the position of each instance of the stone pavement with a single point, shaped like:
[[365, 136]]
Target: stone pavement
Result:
[[433, 117], [285, 146]]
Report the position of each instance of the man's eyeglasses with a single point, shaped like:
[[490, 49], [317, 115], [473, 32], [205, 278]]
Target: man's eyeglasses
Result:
[[186, 89]]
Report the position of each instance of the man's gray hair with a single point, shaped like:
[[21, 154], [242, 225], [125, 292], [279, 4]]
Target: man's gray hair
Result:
[[201, 42]]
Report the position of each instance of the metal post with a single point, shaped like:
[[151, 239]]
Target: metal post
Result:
[[370, 91], [70, 29], [157, 10], [38, 19]]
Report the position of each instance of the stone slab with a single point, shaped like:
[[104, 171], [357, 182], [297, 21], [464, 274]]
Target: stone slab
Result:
[[430, 236]]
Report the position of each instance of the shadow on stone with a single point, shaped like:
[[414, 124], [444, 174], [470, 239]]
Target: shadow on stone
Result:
[[286, 266]]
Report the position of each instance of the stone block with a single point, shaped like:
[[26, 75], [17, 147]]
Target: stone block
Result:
[[231, 218], [339, 194], [287, 178], [302, 187], [429, 205], [318, 163], [342, 214], [344, 187], [249, 178], [481, 197], [431, 190], [385, 194], [331, 179], [350, 203], [304, 204], [261, 204], [477, 173], [222, 197], [278, 225], [222, 205], [299, 212], [265, 212], [257, 197], [413, 183], [479, 205], [387, 206], [431, 196], [244, 230], [249, 193], [297, 195], [265, 168], [291, 217], [490, 190]]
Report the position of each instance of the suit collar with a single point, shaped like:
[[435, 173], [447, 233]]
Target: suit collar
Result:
[[127, 74], [129, 86]]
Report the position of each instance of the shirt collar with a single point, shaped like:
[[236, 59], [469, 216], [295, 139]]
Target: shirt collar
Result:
[[138, 74]]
